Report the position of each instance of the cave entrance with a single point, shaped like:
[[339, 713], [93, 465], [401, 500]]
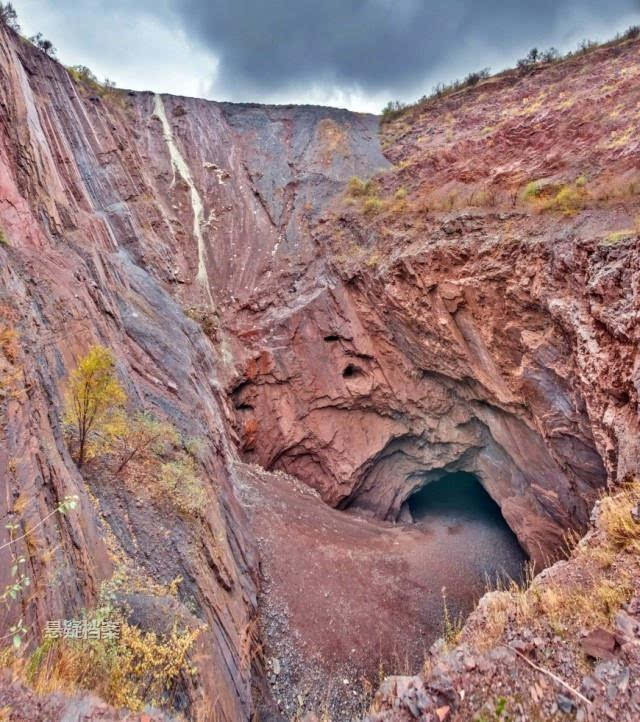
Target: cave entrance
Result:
[[475, 538]]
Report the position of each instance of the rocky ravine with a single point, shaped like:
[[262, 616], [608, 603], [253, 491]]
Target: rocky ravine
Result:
[[451, 326]]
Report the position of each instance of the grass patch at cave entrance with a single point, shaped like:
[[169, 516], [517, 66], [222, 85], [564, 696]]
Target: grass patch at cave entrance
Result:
[[475, 541]]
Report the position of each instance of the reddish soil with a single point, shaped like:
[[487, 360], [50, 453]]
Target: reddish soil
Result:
[[345, 597]]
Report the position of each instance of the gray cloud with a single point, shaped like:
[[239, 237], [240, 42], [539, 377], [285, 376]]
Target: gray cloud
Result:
[[354, 53], [265, 47]]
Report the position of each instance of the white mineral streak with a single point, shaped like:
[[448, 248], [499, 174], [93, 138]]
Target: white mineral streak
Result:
[[179, 164]]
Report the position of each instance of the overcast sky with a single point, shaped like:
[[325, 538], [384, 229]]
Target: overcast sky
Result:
[[351, 53]]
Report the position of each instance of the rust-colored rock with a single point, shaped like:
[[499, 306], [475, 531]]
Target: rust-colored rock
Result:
[[464, 329], [600, 644]]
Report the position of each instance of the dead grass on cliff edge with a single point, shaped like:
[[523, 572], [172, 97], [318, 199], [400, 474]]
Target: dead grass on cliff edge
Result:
[[132, 670], [583, 595]]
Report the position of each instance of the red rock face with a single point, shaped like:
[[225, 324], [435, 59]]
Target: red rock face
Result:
[[496, 335], [75, 213], [122, 215], [390, 381], [208, 245]]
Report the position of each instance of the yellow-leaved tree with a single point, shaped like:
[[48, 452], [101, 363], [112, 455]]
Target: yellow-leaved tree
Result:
[[94, 401]]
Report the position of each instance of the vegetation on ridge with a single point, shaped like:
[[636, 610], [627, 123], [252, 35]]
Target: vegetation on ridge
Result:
[[83, 75], [535, 57], [132, 445], [9, 17]]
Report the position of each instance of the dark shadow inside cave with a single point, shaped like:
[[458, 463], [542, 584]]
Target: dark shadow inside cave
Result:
[[457, 507]]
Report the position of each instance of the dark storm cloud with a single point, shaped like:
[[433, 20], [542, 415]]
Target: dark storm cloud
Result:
[[266, 46], [353, 53]]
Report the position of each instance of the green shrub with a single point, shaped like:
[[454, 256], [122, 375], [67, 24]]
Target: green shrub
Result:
[[532, 190], [4, 241], [617, 236], [9, 17], [140, 439], [372, 205], [180, 480], [82, 74], [357, 188], [535, 56], [393, 109], [469, 81], [196, 447], [43, 44], [568, 199]]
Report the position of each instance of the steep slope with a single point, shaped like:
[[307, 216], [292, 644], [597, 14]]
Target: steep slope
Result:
[[120, 215], [68, 281], [568, 646], [484, 313], [473, 308]]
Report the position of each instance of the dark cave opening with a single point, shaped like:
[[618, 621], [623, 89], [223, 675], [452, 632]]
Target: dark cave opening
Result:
[[352, 371], [474, 532]]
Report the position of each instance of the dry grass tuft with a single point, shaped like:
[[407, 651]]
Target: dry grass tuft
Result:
[[590, 604], [358, 188], [9, 343], [617, 518], [135, 670], [566, 199], [600, 581]]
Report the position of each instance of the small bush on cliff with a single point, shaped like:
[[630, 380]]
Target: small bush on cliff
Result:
[[140, 438], [358, 188], [43, 44], [615, 237], [180, 480], [151, 453], [451, 626], [619, 518], [94, 402], [9, 17], [4, 241], [135, 446], [127, 667], [82, 74], [567, 198], [393, 109], [9, 343], [366, 193], [372, 205], [536, 57]]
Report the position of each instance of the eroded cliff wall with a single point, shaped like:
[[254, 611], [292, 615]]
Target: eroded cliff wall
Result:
[[458, 321], [483, 311], [125, 217]]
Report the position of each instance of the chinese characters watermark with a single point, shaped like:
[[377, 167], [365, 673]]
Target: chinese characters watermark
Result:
[[81, 629]]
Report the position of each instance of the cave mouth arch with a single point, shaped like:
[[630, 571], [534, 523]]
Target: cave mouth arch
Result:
[[456, 506]]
